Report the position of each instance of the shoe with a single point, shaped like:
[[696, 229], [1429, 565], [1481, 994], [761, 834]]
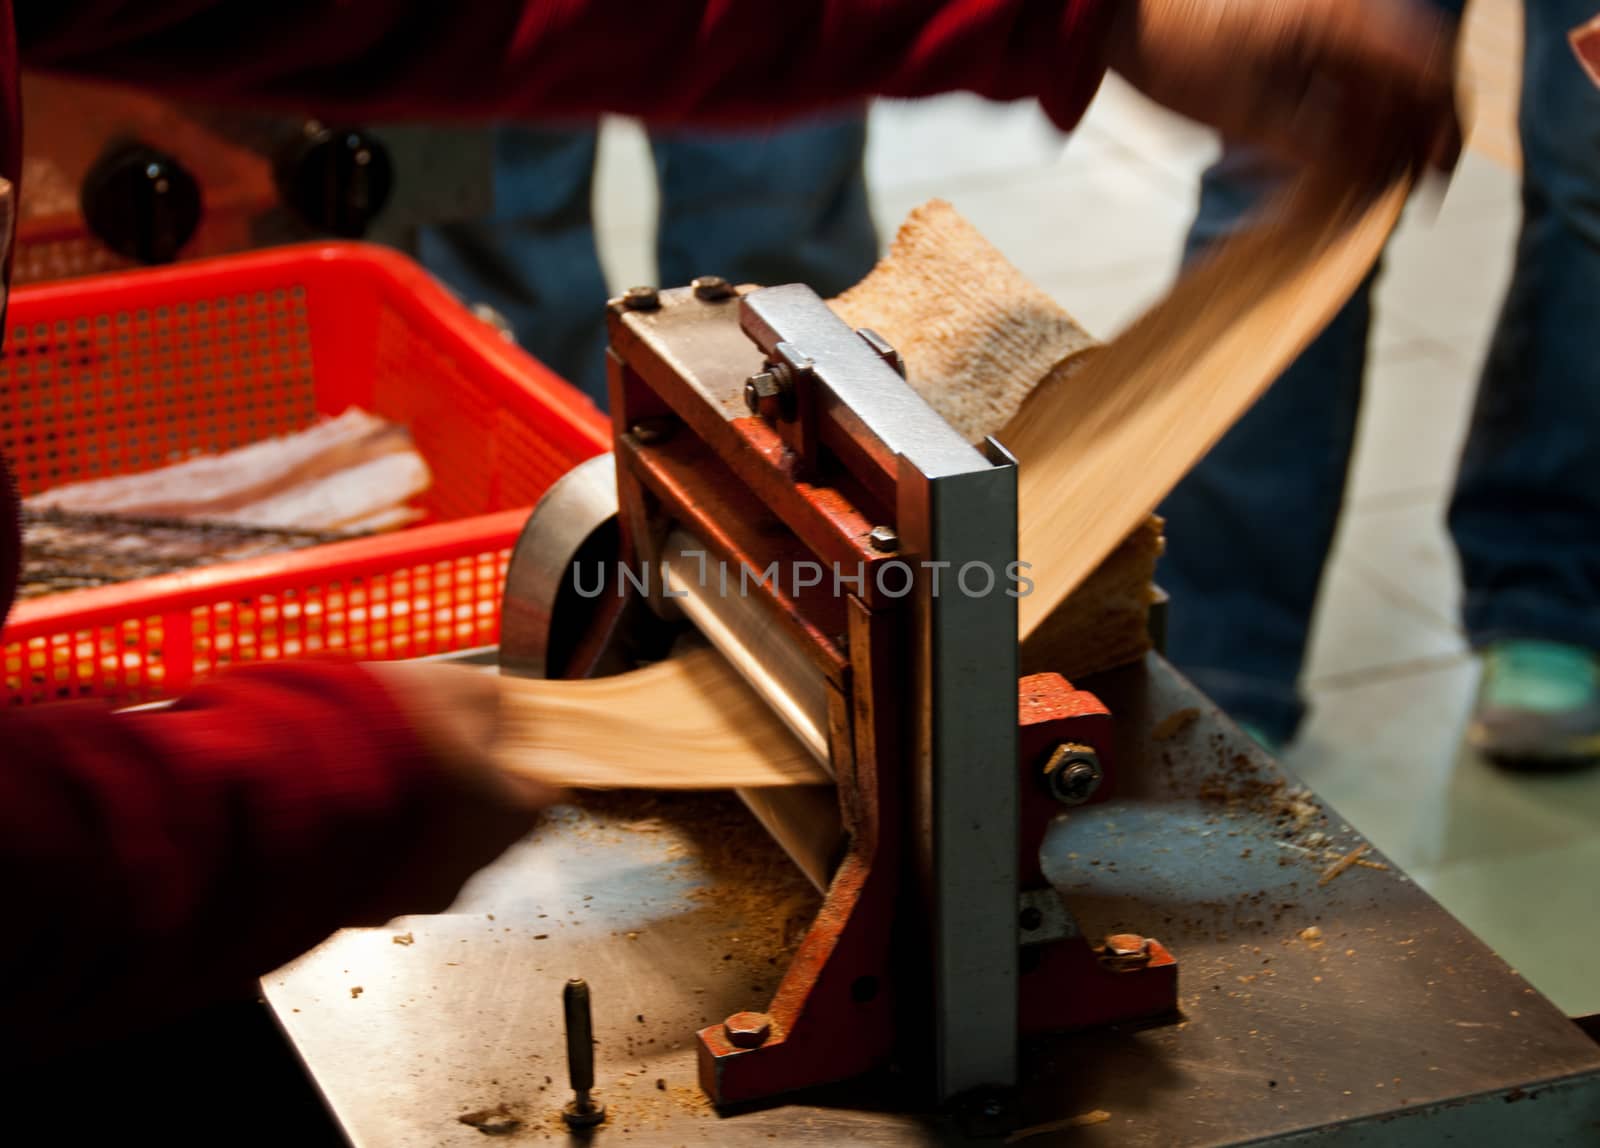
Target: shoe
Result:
[[1538, 706], [1260, 736]]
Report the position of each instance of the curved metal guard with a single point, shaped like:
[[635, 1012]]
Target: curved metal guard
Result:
[[577, 513]]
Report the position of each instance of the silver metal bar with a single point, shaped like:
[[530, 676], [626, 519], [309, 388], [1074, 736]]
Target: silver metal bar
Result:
[[749, 637], [956, 508], [966, 741], [873, 407]]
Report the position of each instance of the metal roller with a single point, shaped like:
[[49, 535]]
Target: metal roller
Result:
[[543, 617], [749, 637]]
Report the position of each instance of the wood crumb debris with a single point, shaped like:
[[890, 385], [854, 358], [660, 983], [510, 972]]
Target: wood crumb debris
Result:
[[1174, 723], [1083, 1120], [403, 939], [1348, 861], [492, 1121], [355, 991]]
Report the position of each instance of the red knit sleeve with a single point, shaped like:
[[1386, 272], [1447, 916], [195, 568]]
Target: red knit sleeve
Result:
[[156, 861], [665, 60]]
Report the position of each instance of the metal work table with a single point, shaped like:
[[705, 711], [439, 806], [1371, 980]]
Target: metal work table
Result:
[[1385, 1023]]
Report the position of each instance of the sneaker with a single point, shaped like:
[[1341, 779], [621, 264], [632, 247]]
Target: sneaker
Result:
[[1538, 706], [1260, 736]]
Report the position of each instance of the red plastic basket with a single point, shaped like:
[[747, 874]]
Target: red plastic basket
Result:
[[126, 372]]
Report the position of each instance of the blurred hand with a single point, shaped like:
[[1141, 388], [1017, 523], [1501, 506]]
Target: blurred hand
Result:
[[1348, 85], [478, 810], [455, 710]]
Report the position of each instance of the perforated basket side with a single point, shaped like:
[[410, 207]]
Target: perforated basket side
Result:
[[122, 389], [401, 596]]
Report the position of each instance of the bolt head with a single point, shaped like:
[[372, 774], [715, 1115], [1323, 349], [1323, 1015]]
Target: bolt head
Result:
[[641, 299], [763, 394], [884, 539], [1127, 944], [1073, 773], [712, 288], [748, 1029], [1126, 951]]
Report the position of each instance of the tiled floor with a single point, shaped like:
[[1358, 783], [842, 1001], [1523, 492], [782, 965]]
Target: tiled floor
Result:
[[1098, 219]]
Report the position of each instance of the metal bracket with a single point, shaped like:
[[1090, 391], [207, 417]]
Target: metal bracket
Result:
[[1042, 916]]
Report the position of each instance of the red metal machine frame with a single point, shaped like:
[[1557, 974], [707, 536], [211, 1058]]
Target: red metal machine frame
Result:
[[687, 455]]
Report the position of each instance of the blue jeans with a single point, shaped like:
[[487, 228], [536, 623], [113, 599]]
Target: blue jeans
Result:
[[1249, 529], [781, 206]]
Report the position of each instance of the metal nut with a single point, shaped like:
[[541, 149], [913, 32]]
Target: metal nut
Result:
[[748, 1029], [1073, 773], [583, 1116], [884, 539], [769, 393], [758, 387], [1126, 951], [641, 299], [712, 288]]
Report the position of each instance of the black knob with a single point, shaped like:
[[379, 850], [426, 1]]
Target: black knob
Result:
[[141, 203], [336, 180]]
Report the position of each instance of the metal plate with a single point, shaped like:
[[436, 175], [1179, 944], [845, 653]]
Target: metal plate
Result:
[[1395, 1027]]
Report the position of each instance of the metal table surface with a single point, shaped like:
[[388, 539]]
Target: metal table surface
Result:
[[1386, 1023]]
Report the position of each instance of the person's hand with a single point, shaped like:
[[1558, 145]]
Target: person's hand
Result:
[[1336, 84], [455, 710], [478, 810]]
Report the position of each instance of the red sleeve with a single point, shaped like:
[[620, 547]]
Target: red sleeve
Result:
[[665, 60], [154, 862]]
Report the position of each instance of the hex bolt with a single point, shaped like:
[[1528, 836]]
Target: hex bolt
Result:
[[1073, 773], [712, 288], [768, 393], [758, 387], [747, 1029], [641, 299], [583, 1110], [1123, 951], [884, 539]]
